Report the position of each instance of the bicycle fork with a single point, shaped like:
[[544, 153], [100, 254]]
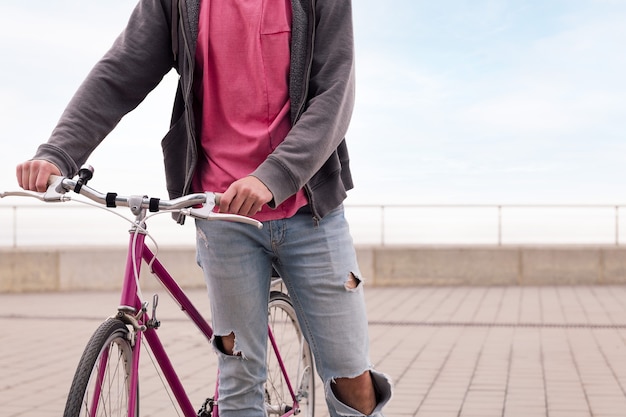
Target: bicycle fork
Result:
[[137, 333]]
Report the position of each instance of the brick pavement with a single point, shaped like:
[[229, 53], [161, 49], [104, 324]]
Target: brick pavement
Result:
[[451, 351]]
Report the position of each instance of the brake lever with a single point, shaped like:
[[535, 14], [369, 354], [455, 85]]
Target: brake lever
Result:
[[206, 212], [22, 193], [54, 193], [203, 211], [235, 218]]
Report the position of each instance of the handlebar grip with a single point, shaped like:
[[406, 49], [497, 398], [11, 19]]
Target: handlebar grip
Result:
[[53, 178], [218, 198]]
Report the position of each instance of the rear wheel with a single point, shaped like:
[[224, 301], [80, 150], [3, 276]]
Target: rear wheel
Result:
[[101, 385], [296, 357]]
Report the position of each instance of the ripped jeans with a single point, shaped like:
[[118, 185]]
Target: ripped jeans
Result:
[[318, 265]]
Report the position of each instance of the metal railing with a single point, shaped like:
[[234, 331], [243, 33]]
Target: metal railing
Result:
[[390, 224], [495, 224]]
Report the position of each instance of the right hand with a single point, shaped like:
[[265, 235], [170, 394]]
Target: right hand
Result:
[[245, 197], [33, 175]]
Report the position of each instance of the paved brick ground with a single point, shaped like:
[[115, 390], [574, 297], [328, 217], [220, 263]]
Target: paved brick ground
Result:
[[452, 351]]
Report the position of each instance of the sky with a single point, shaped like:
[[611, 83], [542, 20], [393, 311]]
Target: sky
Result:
[[458, 102]]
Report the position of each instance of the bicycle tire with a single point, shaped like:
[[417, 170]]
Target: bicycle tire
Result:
[[111, 339], [297, 358]]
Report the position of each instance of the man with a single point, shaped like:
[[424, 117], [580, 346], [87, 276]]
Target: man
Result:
[[265, 96]]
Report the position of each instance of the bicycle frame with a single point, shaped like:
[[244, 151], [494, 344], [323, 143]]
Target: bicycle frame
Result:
[[132, 311], [130, 304]]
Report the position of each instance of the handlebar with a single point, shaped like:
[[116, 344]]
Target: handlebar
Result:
[[199, 205]]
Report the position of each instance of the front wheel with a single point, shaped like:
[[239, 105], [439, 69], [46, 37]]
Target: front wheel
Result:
[[101, 385], [297, 362]]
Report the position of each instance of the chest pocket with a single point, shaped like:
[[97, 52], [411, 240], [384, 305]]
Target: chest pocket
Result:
[[276, 17]]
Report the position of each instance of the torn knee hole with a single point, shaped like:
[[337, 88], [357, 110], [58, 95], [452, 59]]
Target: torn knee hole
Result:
[[353, 282], [226, 344]]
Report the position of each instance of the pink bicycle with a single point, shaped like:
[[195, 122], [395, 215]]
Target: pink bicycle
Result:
[[107, 379]]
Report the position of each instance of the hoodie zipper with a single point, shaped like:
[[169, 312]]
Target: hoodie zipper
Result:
[[186, 95], [305, 93]]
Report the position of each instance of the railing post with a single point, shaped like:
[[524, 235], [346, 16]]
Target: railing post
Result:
[[14, 227], [499, 225], [382, 225], [616, 225]]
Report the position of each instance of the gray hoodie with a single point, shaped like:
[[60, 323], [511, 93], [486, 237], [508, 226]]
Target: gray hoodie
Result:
[[161, 35]]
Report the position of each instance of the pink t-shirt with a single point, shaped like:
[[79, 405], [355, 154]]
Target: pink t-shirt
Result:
[[242, 62]]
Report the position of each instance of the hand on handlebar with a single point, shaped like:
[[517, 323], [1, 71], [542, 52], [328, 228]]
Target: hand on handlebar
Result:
[[34, 175], [245, 197], [198, 205]]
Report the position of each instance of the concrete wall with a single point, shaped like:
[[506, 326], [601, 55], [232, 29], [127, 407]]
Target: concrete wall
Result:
[[475, 265], [92, 268]]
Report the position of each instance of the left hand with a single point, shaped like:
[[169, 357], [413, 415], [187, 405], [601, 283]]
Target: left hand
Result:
[[245, 197]]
